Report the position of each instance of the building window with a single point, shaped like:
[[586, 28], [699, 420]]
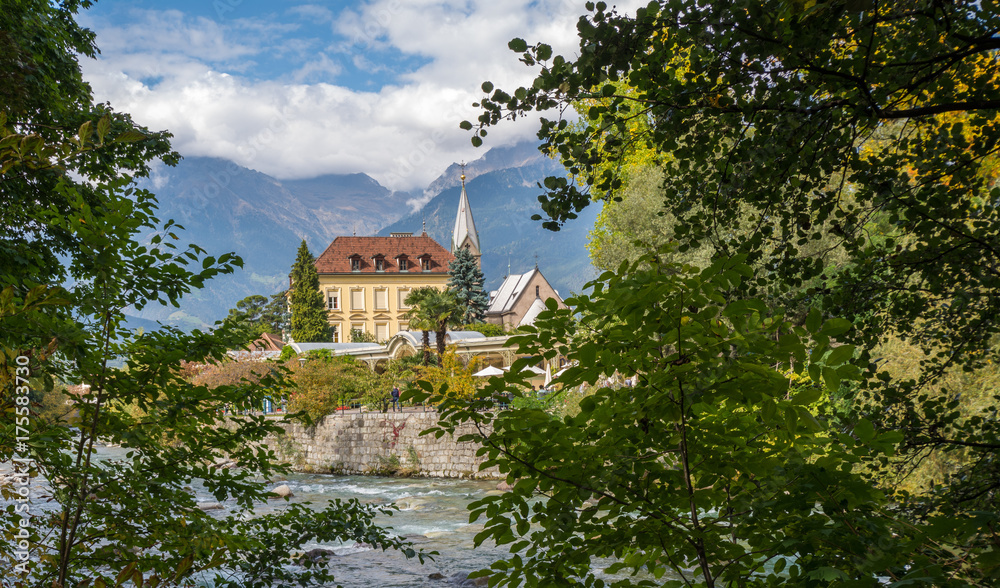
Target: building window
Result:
[[382, 299], [381, 331], [355, 264], [401, 295], [360, 327], [379, 264], [357, 300], [425, 264], [333, 300], [404, 265], [536, 292], [335, 333]]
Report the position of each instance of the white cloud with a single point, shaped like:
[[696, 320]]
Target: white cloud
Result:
[[198, 78]]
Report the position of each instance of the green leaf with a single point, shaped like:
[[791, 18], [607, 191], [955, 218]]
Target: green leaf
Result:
[[835, 327], [125, 573], [807, 397], [839, 355], [518, 45], [130, 137], [791, 419], [832, 379], [813, 322], [103, 125], [864, 430]]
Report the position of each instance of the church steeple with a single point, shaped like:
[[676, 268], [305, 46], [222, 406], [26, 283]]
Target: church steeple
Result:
[[465, 234]]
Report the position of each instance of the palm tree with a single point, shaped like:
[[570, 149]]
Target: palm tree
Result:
[[433, 310]]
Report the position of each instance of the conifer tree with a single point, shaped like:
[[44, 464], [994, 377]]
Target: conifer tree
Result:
[[467, 283], [309, 323]]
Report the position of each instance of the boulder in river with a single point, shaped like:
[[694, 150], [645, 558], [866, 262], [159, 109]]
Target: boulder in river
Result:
[[316, 555], [282, 491], [464, 581], [412, 502], [209, 506]]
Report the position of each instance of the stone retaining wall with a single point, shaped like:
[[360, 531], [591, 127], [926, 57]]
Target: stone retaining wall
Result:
[[380, 443]]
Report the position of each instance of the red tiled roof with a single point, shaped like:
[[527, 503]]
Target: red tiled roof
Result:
[[336, 258], [267, 342]]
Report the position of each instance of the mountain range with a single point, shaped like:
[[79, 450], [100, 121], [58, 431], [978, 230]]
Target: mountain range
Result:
[[226, 207]]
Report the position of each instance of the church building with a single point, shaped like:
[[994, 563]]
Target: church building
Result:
[[365, 280]]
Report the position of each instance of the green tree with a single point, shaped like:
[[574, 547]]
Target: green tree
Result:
[[466, 282], [44, 96], [434, 310], [872, 127], [262, 315], [718, 468], [71, 210], [635, 225], [309, 320], [324, 384]]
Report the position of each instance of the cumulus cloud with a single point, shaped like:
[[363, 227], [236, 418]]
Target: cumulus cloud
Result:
[[215, 86]]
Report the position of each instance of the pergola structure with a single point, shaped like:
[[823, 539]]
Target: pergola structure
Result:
[[468, 344]]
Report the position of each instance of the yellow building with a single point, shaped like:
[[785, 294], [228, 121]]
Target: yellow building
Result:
[[365, 280]]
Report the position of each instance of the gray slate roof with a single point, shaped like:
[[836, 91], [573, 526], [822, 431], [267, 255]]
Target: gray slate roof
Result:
[[503, 299]]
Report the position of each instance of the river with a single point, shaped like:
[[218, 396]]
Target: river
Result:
[[432, 514]]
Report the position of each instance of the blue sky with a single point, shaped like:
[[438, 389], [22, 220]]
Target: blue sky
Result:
[[300, 89]]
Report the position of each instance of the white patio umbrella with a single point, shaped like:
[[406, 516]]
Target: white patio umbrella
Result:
[[528, 368], [488, 371], [548, 375]]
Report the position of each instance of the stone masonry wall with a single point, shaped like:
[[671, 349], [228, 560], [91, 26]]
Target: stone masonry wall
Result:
[[380, 443]]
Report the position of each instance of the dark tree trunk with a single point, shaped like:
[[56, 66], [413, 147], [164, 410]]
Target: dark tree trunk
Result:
[[439, 335], [427, 347]]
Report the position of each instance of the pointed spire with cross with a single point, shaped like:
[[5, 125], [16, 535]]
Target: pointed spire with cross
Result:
[[465, 234]]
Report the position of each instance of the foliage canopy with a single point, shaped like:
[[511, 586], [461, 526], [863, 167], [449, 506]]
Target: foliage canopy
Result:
[[847, 154], [71, 264]]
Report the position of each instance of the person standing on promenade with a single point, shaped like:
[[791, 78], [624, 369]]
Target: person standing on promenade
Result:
[[395, 399]]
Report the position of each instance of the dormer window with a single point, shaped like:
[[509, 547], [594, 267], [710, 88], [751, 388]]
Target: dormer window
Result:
[[355, 263], [425, 262], [404, 263], [379, 264]]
